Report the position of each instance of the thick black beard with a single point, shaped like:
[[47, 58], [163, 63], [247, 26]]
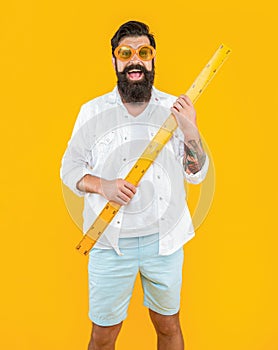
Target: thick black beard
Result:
[[135, 91]]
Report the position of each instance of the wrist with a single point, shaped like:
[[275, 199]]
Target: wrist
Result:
[[95, 184], [90, 184], [191, 134]]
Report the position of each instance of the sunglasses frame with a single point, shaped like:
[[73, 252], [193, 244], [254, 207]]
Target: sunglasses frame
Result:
[[133, 52]]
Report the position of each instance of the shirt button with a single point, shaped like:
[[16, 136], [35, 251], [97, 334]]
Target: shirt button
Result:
[[118, 222], [160, 198], [158, 176], [124, 159]]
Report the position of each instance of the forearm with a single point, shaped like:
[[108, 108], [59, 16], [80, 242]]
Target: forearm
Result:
[[118, 190], [194, 154], [89, 183]]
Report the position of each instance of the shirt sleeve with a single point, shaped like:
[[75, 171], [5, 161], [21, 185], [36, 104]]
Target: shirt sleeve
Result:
[[77, 159]]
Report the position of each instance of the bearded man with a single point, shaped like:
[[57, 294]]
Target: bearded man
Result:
[[147, 235]]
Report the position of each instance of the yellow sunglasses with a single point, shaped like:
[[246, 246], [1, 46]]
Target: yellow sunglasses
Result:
[[125, 53]]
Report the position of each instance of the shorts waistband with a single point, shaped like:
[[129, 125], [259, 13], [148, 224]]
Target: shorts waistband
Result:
[[139, 241]]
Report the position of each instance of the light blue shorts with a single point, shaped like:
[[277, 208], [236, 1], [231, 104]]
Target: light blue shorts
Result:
[[112, 277]]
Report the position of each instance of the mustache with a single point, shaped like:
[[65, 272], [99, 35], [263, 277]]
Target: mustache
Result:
[[134, 66]]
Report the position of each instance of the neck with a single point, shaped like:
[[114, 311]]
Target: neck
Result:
[[135, 108]]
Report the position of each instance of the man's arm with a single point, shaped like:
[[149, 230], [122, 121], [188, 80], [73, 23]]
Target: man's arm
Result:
[[194, 154], [118, 190], [77, 166]]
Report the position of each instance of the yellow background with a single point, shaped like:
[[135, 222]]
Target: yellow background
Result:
[[55, 55]]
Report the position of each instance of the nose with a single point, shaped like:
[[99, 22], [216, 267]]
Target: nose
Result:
[[135, 58]]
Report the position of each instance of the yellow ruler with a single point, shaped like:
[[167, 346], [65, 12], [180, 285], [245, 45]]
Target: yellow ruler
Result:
[[152, 150]]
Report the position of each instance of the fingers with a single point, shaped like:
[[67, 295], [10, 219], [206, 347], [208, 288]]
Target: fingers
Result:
[[122, 199], [126, 191], [187, 100], [182, 102], [119, 191], [130, 187]]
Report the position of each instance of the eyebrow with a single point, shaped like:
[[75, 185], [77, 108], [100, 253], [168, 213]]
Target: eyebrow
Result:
[[135, 46]]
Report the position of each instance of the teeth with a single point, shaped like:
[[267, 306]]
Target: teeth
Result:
[[134, 70]]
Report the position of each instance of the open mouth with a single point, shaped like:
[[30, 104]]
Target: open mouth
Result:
[[135, 74]]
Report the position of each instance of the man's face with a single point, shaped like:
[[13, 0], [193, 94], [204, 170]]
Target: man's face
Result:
[[134, 42], [135, 76]]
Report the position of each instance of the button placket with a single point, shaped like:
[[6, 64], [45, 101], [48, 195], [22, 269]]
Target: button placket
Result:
[[124, 148]]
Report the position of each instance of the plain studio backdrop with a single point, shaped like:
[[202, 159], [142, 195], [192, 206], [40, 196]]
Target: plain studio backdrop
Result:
[[55, 56]]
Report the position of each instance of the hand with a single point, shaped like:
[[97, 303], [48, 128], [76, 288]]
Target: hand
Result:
[[185, 115], [118, 190]]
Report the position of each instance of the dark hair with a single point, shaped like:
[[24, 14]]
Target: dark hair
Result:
[[131, 28]]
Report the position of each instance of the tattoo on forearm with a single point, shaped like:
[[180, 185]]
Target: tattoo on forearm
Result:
[[194, 157]]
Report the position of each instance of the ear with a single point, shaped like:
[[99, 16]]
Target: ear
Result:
[[114, 62]]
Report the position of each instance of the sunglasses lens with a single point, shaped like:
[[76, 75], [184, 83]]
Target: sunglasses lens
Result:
[[124, 53], [146, 53]]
